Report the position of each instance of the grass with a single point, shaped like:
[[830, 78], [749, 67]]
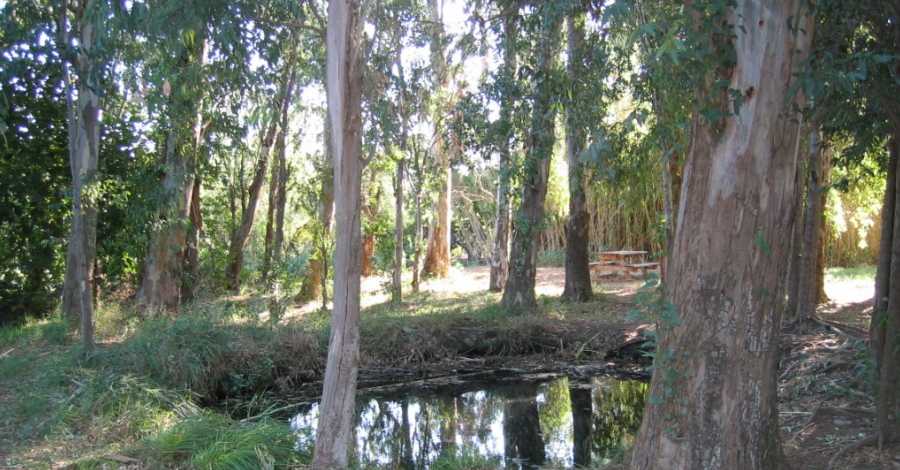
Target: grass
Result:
[[855, 273], [170, 392]]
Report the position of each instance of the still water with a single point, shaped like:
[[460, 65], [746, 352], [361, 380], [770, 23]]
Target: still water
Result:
[[560, 423]]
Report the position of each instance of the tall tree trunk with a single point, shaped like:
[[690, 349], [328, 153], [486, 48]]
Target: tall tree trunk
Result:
[[582, 415], [437, 256], [822, 235], [397, 278], [270, 216], [161, 281], [500, 252], [884, 329], [314, 284], [335, 429], [713, 396], [522, 429], [84, 145], [240, 236], [192, 248], [807, 290], [518, 293], [417, 238], [578, 273]]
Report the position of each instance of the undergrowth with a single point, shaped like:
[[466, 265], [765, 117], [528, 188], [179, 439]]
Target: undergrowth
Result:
[[187, 391]]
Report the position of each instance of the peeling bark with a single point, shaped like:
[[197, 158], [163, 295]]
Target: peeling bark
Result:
[[84, 144], [713, 396], [437, 256], [335, 429], [500, 253]]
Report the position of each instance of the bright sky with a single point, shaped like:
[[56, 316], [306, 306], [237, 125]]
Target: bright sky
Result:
[[310, 125]]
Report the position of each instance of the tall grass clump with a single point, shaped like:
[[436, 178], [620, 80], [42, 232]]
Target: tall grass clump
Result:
[[212, 441]]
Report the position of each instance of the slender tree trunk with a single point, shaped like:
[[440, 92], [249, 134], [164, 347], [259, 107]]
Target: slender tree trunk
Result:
[[713, 396], [84, 145], [822, 235], [885, 326], [314, 284], [578, 273], [437, 256], [500, 253], [417, 239], [518, 293], [240, 236], [397, 288], [335, 429], [270, 216], [807, 293], [192, 248]]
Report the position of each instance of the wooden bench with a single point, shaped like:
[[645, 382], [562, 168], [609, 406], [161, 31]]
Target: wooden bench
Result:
[[599, 264], [642, 267]]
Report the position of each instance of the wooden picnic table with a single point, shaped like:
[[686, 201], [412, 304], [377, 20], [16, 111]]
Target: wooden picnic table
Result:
[[623, 257]]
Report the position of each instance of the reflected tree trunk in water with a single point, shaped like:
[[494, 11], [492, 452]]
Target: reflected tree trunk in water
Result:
[[448, 415], [582, 411], [522, 429], [406, 442]]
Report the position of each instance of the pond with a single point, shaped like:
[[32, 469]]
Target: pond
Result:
[[561, 423]]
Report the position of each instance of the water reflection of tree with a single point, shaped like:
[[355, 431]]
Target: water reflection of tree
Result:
[[522, 428], [582, 412], [618, 408]]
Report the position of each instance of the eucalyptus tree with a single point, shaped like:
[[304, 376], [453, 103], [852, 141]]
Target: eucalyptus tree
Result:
[[345, 71], [546, 21], [280, 105], [577, 270], [713, 396], [437, 256], [508, 93], [88, 19]]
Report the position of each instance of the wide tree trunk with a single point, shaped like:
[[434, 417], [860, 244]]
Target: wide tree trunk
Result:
[[437, 256], [522, 429], [884, 329], [500, 252], [335, 428], [397, 278], [518, 293], [240, 236], [578, 273], [582, 416], [84, 145], [162, 277], [713, 396]]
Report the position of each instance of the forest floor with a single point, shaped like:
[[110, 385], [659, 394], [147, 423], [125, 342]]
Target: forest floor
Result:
[[200, 389]]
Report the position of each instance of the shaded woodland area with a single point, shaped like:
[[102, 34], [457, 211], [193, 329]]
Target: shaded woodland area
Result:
[[655, 234]]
